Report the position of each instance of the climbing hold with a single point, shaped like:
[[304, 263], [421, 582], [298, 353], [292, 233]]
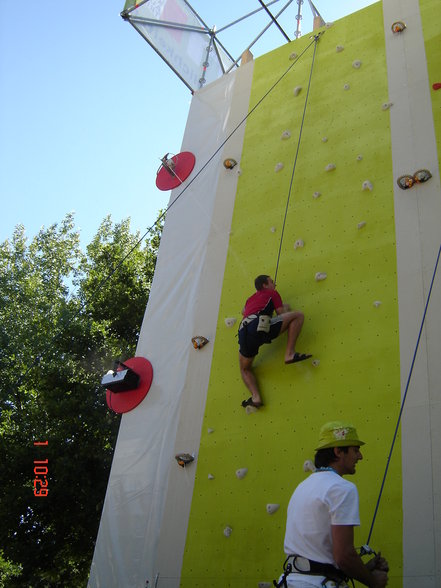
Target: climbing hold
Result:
[[210, 477], [330, 167], [297, 90], [361, 225], [230, 321], [309, 466], [227, 531], [316, 194], [359, 157], [346, 87], [184, 459], [377, 303], [320, 276], [324, 139], [328, 25], [278, 167], [398, 26], [229, 163], [315, 362], [339, 48], [436, 86], [241, 473], [405, 182], [273, 229], [299, 244], [367, 185], [293, 56], [421, 176], [199, 341], [356, 64], [210, 430], [386, 105], [285, 135], [272, 508]]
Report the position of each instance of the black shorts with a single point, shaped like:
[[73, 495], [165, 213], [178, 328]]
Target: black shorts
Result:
[[250, 339]]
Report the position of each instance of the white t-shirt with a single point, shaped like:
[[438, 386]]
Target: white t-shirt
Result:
[[322, 500]]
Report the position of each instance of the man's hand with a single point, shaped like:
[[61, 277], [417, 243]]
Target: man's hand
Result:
[[377, 563], [379, 579]]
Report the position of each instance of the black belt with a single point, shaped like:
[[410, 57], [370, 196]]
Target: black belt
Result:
[[310, 568]]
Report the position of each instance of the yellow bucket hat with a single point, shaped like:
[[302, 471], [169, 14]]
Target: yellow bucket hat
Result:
[[338, 434]]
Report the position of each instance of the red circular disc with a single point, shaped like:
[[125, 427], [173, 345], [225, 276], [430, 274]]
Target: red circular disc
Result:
[[184, 164], [121, 402]]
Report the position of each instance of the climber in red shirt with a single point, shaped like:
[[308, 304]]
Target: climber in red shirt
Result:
[[258, 327]]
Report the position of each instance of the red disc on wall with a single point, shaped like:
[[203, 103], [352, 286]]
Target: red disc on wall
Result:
[[121, 402], [167, 178]]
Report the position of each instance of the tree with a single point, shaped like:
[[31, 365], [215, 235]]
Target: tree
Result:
[[65, 316]]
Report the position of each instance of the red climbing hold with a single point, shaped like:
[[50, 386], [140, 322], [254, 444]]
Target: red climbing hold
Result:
[[121, 402], [174, 170], [437, 86]]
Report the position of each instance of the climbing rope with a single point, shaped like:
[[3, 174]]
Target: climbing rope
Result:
[[315, 41], [37, 359], [404, 398]]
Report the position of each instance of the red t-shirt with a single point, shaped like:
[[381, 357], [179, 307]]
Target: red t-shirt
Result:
[[265, 299]]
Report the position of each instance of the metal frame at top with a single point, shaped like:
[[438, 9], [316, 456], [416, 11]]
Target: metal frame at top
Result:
[[216, 54]]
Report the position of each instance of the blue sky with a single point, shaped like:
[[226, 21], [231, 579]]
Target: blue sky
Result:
[[87, 108]]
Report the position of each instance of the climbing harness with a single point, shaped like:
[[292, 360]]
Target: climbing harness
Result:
[[296, 564], [316, 39]]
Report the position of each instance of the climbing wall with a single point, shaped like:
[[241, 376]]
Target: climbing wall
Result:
[[332, 123], [336, 187]]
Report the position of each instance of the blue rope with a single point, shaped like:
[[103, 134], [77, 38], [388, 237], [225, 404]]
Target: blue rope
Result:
[[404, 397]]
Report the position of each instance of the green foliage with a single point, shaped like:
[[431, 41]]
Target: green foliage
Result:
[[65, 316]]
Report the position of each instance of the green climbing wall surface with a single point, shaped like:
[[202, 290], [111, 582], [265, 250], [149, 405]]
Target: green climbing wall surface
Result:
[[431, 17], [354, 340]]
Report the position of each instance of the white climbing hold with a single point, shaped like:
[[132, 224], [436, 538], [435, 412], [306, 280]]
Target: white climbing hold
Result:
[[339, 48], [278, 167], [241, 473], [386, 105], [230, 321], [361, 224], [299, 244], [324, 139], [210, 477], [356, 64], [273, 229], [315, 362], [320, 276], [328, 25], [377, 303], [367, 185], [346, 87], [227, 531], [293, 56], [272, 508], [359, 157], [286, 135], [316, 194], [309, 466], [210, 430], [297, 90], [330, 167]]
